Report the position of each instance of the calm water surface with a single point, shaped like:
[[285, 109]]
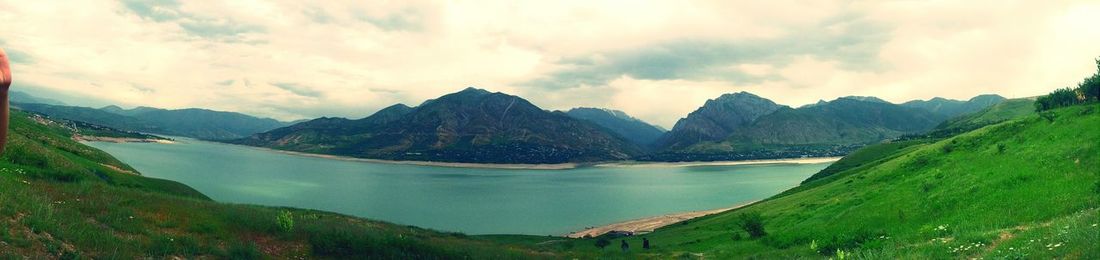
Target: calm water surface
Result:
[[474, 201]]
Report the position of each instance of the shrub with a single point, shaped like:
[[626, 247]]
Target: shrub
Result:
[[244, 251], [1001, 148], [1096, 187], [1049, 116], [602, 243], [927, 186], [753, 223], [336, 242], [285, 221], [948, 147]]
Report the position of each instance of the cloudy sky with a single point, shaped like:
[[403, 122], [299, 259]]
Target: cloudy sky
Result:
[[656, 60]]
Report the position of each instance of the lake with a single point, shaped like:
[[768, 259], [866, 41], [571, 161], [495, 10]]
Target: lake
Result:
[[468, 200]]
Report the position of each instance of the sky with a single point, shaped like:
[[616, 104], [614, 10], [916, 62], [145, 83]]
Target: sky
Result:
[[655, 60]]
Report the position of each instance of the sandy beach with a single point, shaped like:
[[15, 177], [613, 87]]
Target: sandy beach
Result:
[[646, 225], [84, 138], [811, 160]]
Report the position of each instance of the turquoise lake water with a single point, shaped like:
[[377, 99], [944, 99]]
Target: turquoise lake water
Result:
[[473, 201]]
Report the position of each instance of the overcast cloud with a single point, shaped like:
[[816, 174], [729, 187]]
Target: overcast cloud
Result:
[[656, 60]]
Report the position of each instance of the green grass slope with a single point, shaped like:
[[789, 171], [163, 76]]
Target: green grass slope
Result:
[[867, 155], [1026, 188], [62, 199], [1003, 111]]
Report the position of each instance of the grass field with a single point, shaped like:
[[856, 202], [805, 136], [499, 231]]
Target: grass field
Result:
[[1025, 188]]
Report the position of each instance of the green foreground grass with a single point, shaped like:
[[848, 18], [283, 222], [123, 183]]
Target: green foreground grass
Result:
[[1025, 188]]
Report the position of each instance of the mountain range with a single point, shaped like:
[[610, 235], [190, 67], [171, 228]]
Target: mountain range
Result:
[[191, 122], [471, 125], [478, 126], [635, 130], [953, 108], [742, 126]]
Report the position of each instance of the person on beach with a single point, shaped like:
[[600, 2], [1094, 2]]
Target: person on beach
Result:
[[625, 246], [645, 243], [5, 82]]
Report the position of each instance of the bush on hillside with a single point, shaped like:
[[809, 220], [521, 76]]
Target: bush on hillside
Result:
[[285, 221], [602, 243], [753, 223], [1049, 116]]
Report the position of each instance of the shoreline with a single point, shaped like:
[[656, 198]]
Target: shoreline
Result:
[[521, 166], [648, 224], [556, 166], [85, 138]]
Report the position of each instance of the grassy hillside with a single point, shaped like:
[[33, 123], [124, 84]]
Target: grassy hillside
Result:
[[62, 199], [1027, 188], [1009, 109]]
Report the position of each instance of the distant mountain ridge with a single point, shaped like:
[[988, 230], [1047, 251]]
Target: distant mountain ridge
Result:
[[472, 125], [830, 128], [475, 125], [717, 119], [633, 129], [23, 97], [953, 108], [191, 122]]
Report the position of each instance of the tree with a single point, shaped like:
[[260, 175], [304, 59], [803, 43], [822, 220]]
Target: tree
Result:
[[1064, 97], [1090, 88], [753, 223], [1087, 91], [1042, 103]]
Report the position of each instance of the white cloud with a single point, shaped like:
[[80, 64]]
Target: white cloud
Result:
[[291, 60]]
